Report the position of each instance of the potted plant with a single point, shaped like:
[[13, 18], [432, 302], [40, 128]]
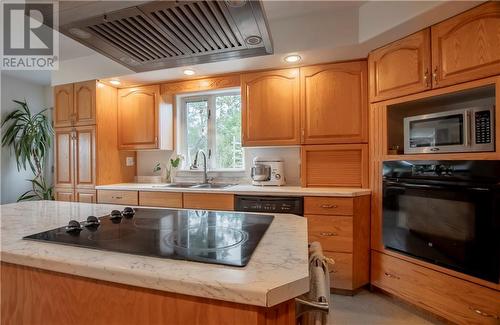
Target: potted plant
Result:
[[29, 136], [169, 170]]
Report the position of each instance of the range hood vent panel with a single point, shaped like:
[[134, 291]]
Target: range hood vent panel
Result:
[[167, 34]]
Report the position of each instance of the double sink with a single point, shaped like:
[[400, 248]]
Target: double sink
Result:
[[196, 185]]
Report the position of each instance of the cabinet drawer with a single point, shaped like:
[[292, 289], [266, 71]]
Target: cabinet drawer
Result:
[[456, 300], [117, 197], [329, 205], [333, 232], [341, 271], [161, 199], [208, 201]]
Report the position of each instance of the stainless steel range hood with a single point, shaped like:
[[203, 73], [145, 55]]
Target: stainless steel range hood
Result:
[[165, 34]]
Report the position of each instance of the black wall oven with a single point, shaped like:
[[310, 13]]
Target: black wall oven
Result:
[[445, 212]]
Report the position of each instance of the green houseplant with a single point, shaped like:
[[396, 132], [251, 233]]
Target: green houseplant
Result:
[[29, 137]]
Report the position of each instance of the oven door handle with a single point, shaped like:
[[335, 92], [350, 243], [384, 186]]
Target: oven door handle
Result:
[[399, 185]]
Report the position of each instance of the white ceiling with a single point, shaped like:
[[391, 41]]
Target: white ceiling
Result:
[[320, 31]]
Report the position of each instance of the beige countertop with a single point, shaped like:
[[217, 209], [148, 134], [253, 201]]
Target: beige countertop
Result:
[[245, 189], [277, 271]]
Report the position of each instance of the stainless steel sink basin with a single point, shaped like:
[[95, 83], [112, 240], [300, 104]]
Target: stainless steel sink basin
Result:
[[212, 185], [175, 185]]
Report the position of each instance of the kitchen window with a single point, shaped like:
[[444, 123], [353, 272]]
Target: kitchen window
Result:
[[212, 122]]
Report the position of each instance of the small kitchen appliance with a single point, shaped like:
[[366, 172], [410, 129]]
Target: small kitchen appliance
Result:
[[464, 130], [268, 171]]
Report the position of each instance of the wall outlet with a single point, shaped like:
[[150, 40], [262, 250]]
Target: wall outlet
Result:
[[129, 161]]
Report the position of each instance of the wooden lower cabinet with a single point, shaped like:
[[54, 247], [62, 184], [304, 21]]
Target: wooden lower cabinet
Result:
[[85, 196], [342, 226], [64, 194], [342, 165], [160, 199], [34, 296], [456, 300], [118, 197], [208, 201]]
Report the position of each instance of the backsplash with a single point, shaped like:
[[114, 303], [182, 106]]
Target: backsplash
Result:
[[146, 160]]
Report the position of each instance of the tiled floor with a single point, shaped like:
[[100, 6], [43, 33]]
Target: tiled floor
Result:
[[368, 308]]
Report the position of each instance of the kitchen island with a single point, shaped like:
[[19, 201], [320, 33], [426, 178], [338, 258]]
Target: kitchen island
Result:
[[56, 284]]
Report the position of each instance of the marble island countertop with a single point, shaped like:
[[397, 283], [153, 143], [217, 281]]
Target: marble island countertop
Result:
[[277, 271], [244, 189]]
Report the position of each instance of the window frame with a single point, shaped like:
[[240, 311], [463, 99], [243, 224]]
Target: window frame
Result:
[[210, 97]]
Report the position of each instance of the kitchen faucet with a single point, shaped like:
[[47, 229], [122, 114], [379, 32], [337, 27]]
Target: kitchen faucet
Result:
[[194, 165]]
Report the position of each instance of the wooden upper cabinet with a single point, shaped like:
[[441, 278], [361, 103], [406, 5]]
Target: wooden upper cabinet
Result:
[[63, 105], [334, 103], [138, 117], [270, 108], [401, 68], [467, 46], [64, 159], [85, 103], [84, 147]]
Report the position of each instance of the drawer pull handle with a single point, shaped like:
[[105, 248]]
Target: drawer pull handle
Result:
[[482, 313], [329, 206], [391, 275], [117, 197], [328, 234]]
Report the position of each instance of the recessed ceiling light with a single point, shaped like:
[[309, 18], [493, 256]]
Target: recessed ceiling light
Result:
[[292, 58], [115, 82], [188, 72], [80, 33]]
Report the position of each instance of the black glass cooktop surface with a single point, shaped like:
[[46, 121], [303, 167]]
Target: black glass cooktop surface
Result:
[[203, 236]]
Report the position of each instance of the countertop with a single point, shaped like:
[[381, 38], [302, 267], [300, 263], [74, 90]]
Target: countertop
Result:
[[244, 189], [277, 271]]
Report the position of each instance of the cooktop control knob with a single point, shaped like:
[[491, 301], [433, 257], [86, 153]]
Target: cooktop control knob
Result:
[[73, 227], [128, 212], [92, 221], [116, 216]]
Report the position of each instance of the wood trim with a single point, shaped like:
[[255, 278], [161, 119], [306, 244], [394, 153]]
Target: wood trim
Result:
[[60, 153], [160, 199], [35, 296], [89, 154], [208, 201]]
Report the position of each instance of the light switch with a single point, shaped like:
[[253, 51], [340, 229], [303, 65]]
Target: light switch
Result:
[[129, 161]]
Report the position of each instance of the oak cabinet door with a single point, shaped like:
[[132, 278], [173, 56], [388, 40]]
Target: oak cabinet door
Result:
[[467, 46], [270, 108], [63, 105], [334, 165], [401, 68], [138, 110], [84, 157], [64, 194], [86, 196], [334, 103], [64, 158], [84, 102]]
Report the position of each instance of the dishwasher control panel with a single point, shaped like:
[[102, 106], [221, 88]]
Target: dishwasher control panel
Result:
[[278, 204]]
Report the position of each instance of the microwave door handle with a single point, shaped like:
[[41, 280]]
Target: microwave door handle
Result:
[[467, 128]]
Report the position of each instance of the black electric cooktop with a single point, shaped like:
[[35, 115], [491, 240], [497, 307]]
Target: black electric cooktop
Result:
[[203, 236]]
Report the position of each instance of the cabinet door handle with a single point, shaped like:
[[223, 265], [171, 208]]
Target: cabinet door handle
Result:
[[389, 275], [484, 314], [328, 234], [329, 206], [426, 77], [435, 75], [117, 197]]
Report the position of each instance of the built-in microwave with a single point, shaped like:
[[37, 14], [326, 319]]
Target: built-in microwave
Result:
[[463, 130]]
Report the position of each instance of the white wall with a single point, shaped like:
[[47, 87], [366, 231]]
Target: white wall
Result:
[[38, 97], [146, 160]]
